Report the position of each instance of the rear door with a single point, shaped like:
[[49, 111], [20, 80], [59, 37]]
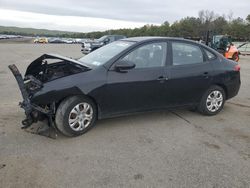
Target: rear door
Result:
[[189, 73]]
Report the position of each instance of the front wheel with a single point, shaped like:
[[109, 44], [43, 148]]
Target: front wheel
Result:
[[212, 101], [75, 116]]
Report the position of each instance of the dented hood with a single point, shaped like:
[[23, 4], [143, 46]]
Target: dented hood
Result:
[[38, 62]]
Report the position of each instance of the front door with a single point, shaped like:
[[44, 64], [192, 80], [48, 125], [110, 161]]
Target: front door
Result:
[[141, 88]]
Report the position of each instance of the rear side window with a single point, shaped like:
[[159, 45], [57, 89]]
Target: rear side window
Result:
[[209, 54], [184, 54]]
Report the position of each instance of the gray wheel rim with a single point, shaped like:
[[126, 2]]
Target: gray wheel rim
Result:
[[214, 101], [80, 116]]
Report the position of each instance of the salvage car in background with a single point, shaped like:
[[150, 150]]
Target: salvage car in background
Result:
[[127, 76], [90, 46], [41, 40], [56, 40]]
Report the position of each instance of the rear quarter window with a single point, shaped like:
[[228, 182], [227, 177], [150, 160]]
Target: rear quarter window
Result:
[[209, 54]]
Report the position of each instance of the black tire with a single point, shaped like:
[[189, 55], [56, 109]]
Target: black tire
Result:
[[236, 57], [64, 110], [203, 107]]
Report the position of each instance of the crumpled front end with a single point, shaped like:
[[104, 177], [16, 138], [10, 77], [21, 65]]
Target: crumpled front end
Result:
[[33, 112], [38, 74]]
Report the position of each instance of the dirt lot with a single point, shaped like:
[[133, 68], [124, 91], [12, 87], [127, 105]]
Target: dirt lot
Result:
[[161, 149]]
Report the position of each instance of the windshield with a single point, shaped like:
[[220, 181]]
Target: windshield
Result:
[[101, 39], [217, 38], [105, 53]]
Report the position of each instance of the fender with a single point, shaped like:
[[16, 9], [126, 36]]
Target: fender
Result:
[[47, 97]]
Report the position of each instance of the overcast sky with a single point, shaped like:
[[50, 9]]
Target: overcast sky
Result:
[[93, 15]]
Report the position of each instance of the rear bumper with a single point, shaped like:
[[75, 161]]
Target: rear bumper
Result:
[[233, 87]]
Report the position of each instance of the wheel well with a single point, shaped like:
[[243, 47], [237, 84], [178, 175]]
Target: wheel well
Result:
[[96, 105], [224, 88]]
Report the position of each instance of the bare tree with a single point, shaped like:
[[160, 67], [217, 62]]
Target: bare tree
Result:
[[201, 16], [206, 16], [230, 16]]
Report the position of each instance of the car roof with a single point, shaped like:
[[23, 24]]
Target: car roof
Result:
[[149, 38], [112, 35]]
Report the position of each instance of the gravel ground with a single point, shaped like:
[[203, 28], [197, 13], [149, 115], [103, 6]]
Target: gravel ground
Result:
[[162, 149]]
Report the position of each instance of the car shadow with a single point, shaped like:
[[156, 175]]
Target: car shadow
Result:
[[144, 119]]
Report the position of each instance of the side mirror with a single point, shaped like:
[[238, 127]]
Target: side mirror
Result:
[[124, 65]]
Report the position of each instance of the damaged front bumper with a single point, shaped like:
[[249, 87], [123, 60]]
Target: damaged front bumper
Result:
[[33, 111]]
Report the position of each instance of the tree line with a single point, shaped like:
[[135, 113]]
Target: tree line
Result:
[[190, 27]]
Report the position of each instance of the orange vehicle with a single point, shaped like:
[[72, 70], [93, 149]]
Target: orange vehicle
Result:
[[232, 53], [224, 45]]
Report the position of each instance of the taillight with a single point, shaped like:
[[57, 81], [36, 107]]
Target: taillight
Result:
[[237, 67]]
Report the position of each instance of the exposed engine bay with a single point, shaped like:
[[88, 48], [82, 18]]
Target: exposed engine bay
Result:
[[48, 72], [49, 67]]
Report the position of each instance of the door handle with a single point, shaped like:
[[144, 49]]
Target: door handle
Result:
[[205, 74], [162, 78]]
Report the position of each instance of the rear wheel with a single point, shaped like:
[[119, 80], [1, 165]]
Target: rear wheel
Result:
[[75, 116], [212, 101]]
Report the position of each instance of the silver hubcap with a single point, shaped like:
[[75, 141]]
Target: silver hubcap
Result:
[[214, 101], [80, 116]]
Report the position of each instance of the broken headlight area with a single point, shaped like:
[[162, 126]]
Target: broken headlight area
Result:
[[32, 84]]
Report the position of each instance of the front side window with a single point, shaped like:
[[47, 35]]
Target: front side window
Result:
[[184, 54], [149, 55]]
